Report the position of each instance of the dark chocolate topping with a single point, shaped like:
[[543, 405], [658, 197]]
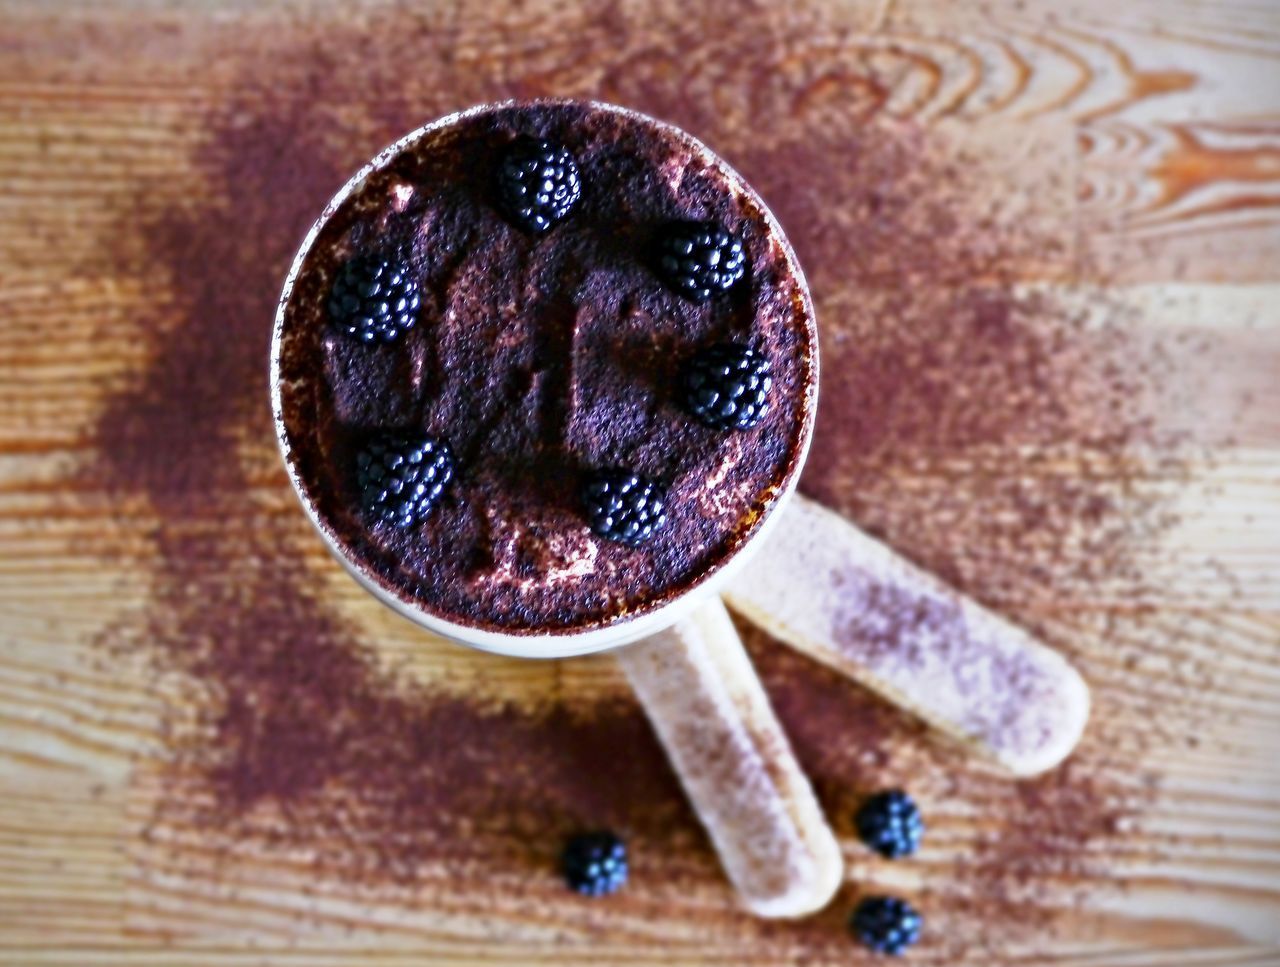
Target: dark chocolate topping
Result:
[[539, 359]]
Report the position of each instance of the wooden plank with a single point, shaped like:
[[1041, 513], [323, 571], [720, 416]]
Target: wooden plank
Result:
[[156, 152]]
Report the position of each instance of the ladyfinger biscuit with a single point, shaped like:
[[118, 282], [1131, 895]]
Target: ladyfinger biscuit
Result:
[[712, 715], [847, 600]]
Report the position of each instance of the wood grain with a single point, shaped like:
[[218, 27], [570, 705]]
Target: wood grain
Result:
[[1147, 134]]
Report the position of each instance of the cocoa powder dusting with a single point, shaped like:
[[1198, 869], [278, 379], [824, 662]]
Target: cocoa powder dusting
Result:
[[958, 411], [953, 392]]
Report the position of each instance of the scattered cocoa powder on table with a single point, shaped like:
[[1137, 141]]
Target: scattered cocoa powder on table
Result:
[[949, 397]]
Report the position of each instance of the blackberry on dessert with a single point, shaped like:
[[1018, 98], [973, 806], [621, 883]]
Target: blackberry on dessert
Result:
[[545, 347], [401, 478], [727, 387], [539, 183], [699, 259], [374, 299], [623, 506]]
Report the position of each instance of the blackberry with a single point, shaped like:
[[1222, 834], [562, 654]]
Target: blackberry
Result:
[[401, 477], [698, 259], [539, 183], [623, 506], [890, 823], [374, 299], [727, 386], [886, 924], [595, 864]]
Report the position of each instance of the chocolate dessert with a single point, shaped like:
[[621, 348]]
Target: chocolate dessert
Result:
[[545, 367]]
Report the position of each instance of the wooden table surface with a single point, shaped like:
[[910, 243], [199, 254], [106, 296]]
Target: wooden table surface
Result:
[[1044, 243]]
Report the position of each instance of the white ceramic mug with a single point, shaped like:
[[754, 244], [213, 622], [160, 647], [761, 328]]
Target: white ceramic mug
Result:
[[553, 643]]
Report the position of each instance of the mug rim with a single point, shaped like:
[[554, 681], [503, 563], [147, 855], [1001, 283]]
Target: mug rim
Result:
[[549, 642]]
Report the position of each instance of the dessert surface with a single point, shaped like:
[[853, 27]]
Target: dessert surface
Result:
[[540, 357]]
